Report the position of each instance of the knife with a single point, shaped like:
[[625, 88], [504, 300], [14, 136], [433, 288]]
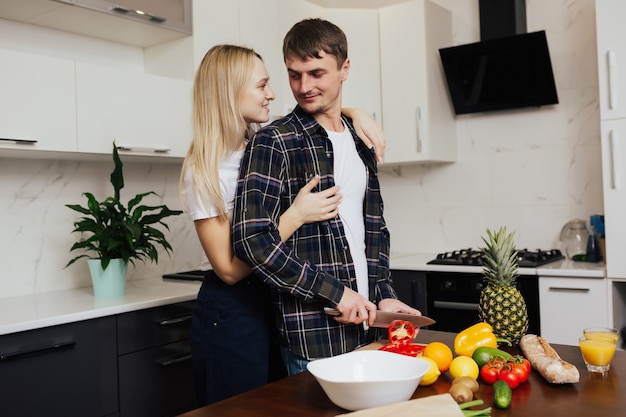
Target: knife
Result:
[[385, 318]]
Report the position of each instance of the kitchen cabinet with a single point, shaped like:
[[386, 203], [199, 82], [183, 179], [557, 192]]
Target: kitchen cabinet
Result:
[[568, 305], [37, 103], [163, 20], [144, 114], [611, 57], [66, 370], [610, 33], [418, 119], [126, 365], [362, 88], [155, 371], [613, 144], [410, 287]]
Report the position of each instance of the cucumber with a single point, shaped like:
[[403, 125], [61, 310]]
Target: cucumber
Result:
[[502, 394], [484, 354]]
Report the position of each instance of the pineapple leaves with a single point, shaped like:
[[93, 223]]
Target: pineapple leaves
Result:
[[500, 263], [111, 230]]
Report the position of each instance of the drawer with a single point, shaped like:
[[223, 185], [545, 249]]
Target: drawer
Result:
[[65, 370], [157, 381], [152, 327]]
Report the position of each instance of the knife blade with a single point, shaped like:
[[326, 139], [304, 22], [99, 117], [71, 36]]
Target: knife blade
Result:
[[385, 318]]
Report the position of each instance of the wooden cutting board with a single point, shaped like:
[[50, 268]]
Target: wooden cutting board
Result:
[[442, 405]]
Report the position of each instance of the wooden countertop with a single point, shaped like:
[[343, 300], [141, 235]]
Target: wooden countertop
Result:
[[302, 396]]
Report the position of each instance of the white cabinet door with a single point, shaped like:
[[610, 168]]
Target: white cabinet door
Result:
[[418, 119], [258, 29], [362, 88], [610, 35], [144, 114], [37, 103], [614, 186], [568, 305]]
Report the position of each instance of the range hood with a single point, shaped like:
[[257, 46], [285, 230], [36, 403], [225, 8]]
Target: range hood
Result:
[[134, 22], [501, 18]]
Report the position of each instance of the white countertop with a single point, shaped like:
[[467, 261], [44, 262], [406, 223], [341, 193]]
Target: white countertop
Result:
[[60, 307]]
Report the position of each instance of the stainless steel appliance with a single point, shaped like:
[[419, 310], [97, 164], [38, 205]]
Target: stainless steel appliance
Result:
[[452, 297]]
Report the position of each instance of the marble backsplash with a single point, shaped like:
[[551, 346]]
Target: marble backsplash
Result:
[[531, 170]]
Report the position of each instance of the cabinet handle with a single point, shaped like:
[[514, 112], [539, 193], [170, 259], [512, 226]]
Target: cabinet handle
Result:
[[568, 289], [19, 141], [453, 305], [616, 179], [36, 349], [156, 149], [418, 119], [613, 79], [176, 320], [173, 360]]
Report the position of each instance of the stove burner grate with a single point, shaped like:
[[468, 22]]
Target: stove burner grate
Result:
[[472, 257]]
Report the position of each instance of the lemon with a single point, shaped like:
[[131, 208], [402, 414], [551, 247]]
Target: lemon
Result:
[[432, 374], [463, 366]]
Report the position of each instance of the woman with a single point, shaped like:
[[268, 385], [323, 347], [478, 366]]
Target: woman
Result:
[[232, 321]]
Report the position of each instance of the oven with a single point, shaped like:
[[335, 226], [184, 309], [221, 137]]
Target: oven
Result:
[[452, 299], [452, 294]]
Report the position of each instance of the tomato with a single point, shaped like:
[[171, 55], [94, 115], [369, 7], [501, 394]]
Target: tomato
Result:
[[509, 376], [489, 372], [519, 366]]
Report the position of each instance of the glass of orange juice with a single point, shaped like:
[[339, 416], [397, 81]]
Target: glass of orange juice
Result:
[[601, 333], [597, 353]]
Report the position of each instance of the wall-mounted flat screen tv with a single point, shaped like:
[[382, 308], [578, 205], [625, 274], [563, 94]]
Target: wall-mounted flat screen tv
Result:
[[499, 74]]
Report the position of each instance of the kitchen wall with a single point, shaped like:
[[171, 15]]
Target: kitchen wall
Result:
[[531, 170]]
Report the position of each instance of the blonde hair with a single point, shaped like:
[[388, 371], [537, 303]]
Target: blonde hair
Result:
[[218, 126]]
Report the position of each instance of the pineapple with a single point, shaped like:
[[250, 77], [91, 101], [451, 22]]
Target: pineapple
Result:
[[501, 304]]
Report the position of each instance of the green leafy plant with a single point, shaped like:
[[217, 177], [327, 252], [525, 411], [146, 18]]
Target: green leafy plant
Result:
[[116, 232]]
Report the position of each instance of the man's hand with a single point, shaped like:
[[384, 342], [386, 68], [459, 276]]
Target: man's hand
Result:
[[355, 309], [396, 306]]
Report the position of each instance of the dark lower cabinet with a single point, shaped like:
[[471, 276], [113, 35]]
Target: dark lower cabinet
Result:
[[131, 365], [67, 370], [155, 372], [410, 287]]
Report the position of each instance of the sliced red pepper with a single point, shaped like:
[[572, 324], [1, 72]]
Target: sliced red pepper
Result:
[[401, 332]]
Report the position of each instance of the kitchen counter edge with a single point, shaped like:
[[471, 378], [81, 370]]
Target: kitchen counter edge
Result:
[[30, 312]]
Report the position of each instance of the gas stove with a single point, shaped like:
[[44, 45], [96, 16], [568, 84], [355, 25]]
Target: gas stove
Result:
[[471, 257]]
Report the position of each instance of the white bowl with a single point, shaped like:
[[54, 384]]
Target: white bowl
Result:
[[368, 378]]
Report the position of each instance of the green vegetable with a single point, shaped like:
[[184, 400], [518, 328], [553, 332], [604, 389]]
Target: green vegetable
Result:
[[475, 413], [502, 394], [484, 354]]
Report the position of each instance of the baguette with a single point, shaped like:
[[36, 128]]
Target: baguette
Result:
[[547, 362]]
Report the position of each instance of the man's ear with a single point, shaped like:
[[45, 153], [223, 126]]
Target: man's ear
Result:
[[345, 69]]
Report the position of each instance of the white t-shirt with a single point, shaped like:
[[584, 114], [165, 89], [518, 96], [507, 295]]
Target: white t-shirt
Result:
[[198, 209], [351, 176]]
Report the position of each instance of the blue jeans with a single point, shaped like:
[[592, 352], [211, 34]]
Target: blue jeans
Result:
[[294, 364]]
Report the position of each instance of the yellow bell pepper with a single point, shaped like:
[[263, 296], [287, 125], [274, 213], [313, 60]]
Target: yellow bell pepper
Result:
[[480, 334]]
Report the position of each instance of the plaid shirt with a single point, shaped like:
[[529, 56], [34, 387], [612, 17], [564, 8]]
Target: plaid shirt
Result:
[[311, 269]]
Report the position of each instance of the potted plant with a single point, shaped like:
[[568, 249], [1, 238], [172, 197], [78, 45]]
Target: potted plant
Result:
[[117, 234]]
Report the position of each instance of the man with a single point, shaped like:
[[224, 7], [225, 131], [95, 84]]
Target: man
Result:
[[342, 262]]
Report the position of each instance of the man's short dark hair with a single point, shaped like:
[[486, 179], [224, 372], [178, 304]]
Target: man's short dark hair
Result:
[[310, 36]]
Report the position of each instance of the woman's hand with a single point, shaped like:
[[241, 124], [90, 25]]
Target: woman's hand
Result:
[[368, 130], [310, 207]]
